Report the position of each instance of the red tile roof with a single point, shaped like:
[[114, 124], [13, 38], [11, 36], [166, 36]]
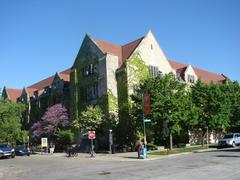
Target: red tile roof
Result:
[[208, 77], [129, 48], [13, 94], [123, 52], [42, 84], [204, 76], [65, 75], [30, 91], [109, 47]]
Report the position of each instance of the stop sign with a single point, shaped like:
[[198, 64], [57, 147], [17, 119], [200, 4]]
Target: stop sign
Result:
[[91, 135]]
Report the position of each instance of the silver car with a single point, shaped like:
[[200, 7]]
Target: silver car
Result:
[[231, 139]]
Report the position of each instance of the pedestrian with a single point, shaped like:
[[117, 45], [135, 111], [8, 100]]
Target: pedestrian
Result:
[[139, 149], [51, 149]]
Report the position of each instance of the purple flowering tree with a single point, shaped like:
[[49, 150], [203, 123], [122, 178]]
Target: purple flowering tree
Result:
[[54, 119]]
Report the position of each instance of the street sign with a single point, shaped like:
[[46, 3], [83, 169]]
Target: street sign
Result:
[[44, 142], [147, 120], [91, 135]]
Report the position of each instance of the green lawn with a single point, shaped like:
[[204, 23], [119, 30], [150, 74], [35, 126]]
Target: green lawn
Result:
[[178, 150]]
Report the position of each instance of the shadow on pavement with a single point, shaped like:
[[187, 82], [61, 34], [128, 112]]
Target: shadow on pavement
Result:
[[237, 149], [232, 156], [129, 157]]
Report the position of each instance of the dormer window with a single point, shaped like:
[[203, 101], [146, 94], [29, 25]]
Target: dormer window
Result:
[[191, 79], [35, 94], [178, 76], [47, 90]]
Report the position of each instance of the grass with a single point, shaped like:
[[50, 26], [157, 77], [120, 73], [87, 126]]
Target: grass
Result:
[[178, 150]]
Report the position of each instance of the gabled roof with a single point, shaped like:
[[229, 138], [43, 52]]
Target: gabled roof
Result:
[[129, 48], [181, 72], [109, 47], [13, 94], [30, 91], [203, 75], [123, 52], [42, 84], [65, 75]]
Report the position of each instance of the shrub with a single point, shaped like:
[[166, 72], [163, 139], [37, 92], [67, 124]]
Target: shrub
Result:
[[65, 137]]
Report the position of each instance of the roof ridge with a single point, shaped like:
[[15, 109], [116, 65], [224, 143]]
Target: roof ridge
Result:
[[194, 67], [141, 38], [207, 71], [12, 88], [107, 42]]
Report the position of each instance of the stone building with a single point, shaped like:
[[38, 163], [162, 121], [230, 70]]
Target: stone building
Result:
[[41, 95], [105, 74]]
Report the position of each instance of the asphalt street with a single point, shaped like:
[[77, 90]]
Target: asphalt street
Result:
[[215, 165]]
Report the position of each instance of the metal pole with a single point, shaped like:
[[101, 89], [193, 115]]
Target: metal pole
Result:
[[110, 141], [144, 128], [92, 148]]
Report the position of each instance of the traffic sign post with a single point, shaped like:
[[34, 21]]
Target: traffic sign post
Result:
[[91, 136]]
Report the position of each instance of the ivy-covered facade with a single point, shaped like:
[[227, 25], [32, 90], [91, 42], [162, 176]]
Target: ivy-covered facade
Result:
[[107, 75]]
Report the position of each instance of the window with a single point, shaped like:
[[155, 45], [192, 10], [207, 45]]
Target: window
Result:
[[191, 79], [179, 76], [95, 90], [151, 47], [47, 90], [154, 71], [35, 94], [89, 70], [90, 92]]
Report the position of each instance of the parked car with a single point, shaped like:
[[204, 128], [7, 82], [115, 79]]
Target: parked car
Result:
[[6, 151], [22, 151], [232, 139]]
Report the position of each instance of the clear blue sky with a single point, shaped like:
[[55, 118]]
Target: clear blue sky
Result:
[[40, 37]]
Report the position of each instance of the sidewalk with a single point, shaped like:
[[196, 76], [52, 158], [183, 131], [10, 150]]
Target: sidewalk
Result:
[[128, 156]]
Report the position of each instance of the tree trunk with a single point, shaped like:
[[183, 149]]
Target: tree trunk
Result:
[[170, 141]]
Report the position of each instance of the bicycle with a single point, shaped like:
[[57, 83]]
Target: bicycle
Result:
[[72, 152]]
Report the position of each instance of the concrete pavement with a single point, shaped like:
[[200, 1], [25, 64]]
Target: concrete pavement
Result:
[[128, 156], [215, 165]]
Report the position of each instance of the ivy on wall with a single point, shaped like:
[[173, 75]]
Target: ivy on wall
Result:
[[137, 70], [77, 82], [128, 79]]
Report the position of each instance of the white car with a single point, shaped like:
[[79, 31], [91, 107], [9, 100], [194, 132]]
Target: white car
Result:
[[232, 139]]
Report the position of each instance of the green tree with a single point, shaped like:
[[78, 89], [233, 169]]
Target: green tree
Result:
[[213, 107], [89, 120], [65, 137], [170, 104], [10, 122], [232, 90]]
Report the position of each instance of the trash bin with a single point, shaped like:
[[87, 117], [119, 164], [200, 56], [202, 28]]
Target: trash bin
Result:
[[143, 153]]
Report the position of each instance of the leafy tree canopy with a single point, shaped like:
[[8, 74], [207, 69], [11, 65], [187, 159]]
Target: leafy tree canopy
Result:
[[213, 105], [90, 119], [54, 119], [10, 122]]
